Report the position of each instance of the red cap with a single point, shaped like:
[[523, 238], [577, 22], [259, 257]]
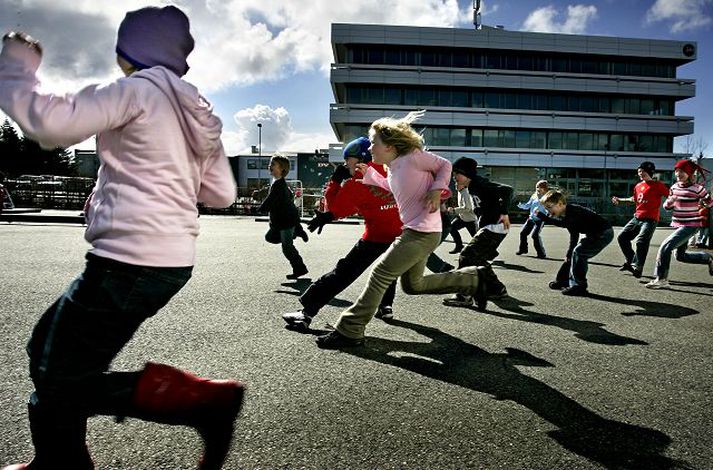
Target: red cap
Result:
[[687, 166]]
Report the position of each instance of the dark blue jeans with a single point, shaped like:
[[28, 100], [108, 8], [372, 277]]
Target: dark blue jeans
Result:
[[534, 227], [348, 269], [642, 230], [77, 338], [574, 272], [286, 237], [458, 224]]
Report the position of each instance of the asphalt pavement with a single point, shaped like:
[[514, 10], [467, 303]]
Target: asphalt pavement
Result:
[[620, 379]]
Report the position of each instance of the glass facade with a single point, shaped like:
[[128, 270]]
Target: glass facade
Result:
[[533, 139], [378, 54], [476, 98]]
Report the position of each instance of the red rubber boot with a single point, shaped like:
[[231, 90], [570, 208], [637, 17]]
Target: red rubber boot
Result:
[[168, 395]]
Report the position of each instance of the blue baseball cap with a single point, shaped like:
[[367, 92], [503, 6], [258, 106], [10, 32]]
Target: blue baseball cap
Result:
[[358, 148]]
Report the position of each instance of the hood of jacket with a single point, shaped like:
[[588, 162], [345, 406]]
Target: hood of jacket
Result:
[[200, 126]]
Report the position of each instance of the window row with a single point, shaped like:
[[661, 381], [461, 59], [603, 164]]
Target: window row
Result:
[[531, 139], [470, 98], [264, 163], [495, 59]]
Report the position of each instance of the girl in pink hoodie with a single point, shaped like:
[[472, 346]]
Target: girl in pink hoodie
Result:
[[418, 180], [161, 154]]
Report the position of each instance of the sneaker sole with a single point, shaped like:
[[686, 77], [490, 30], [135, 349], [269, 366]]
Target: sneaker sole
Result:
[[299, 326], [457, 303]]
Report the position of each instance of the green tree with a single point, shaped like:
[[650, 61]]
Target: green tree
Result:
[[38, 161], [22, 155], [10, 148]]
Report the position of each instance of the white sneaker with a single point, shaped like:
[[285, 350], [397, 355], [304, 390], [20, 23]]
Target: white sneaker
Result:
[[297, 320], [657, 284]]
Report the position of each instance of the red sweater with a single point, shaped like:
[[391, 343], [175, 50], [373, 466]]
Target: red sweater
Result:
[[376, 205], [647, 196]]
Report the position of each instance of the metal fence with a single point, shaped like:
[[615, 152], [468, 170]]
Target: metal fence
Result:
[[50, 192]]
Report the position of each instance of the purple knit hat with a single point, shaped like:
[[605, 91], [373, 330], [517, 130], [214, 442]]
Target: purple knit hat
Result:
[[154, 36]]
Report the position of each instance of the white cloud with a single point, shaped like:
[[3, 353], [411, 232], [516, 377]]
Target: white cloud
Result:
[[543, 19], [683, 15], [277, 133], [238, 42]]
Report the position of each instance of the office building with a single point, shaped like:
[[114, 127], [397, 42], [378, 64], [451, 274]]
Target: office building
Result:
[[580, 111]]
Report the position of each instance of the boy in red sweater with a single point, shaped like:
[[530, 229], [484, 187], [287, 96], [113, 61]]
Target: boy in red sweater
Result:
[[346, 195], [647, 197]]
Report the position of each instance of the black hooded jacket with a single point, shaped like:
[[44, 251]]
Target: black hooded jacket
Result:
[[491, 199]]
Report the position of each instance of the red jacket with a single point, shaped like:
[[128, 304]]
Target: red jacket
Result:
[[376, 205]]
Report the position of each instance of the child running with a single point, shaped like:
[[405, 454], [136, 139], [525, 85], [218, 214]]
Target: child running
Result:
[[161, 154], [647, 197], [465, 217], [284, 218], [492, 201], [347, 195], [534, 224], [598, 233], [418, 180], [687, 198]]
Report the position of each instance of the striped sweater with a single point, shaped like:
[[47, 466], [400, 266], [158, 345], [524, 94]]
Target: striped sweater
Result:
[[686, 202]]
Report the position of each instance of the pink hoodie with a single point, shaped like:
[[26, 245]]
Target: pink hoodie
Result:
[[160, 151], [410, 178]]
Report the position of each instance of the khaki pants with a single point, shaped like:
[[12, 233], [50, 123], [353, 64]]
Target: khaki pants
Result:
[[406, 258]]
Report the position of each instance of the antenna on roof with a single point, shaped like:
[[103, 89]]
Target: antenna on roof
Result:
[[476, 14]]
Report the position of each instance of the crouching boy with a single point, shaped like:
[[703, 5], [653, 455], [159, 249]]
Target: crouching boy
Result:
[[598, 233]]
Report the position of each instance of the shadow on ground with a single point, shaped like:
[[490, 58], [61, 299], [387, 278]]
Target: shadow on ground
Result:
[[300, 286], [449, 359], [515, 267], [593, 332], [646, 308]]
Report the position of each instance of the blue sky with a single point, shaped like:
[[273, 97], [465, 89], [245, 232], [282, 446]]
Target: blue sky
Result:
[[269, 61]]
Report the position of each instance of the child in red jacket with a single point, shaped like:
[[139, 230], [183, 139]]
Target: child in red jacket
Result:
[[346, 195]]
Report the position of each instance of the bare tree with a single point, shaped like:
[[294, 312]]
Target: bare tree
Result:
[[696, 146]]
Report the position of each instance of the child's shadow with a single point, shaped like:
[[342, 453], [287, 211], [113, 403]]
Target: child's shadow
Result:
[[648, 309], [515, 267], [593, 332], [449, 359], [301, 285]]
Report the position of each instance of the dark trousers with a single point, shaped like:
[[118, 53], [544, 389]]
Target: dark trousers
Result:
[[286, 238], [75, 341], [459, 224], [348, 269], [573, 272], [435, 263], [642, 230], [533, 227], [479, 251]]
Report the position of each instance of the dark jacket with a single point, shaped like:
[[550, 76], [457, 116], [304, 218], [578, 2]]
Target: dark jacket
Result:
[[491, 199], [280, 204], [576, 220]]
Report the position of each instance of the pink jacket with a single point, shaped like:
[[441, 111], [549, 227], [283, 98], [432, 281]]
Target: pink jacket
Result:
[[410, 178], [160, 151]]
